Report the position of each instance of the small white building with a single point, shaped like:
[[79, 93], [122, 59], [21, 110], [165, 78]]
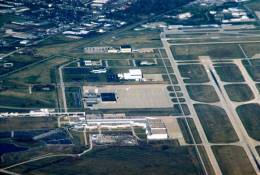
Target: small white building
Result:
[[92, 63], [125, 49], [133, 74], [112, 50], [184, 16], [99, 71]]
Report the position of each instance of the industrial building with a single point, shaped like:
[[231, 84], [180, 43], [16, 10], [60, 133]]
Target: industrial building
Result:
[[156, 129], [125, 49], [94, 97], [133, 74]]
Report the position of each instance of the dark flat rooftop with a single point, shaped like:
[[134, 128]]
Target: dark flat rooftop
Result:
[[108, 97]]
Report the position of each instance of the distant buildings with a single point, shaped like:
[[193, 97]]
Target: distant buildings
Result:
[[231, 15], [20, 35]]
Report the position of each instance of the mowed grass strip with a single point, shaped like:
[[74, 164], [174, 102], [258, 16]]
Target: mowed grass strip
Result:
[[203, 93], [239, 92], [216, 124], [233, 160], [215, 51], [193, 73], [229, 73], [249, 115]]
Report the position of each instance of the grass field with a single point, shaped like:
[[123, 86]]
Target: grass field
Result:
[[19, 100], [19, 61], [27, 123], [57, 39], [121, 161], [40, 73], [202, 93], [255, 61], [215, 51], [140, 132], [216, 124], [254, 4], [116, 63], [186, 133], [138, 39], [254, 71], [16, 93], [78, 137], [206, 160], [252, 49], [74, 98], [239, 92], [258, 87], [16, 157], [249, 115], [229, 72], [193, 73], [258, 149], [9, 17], [233, 160]]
